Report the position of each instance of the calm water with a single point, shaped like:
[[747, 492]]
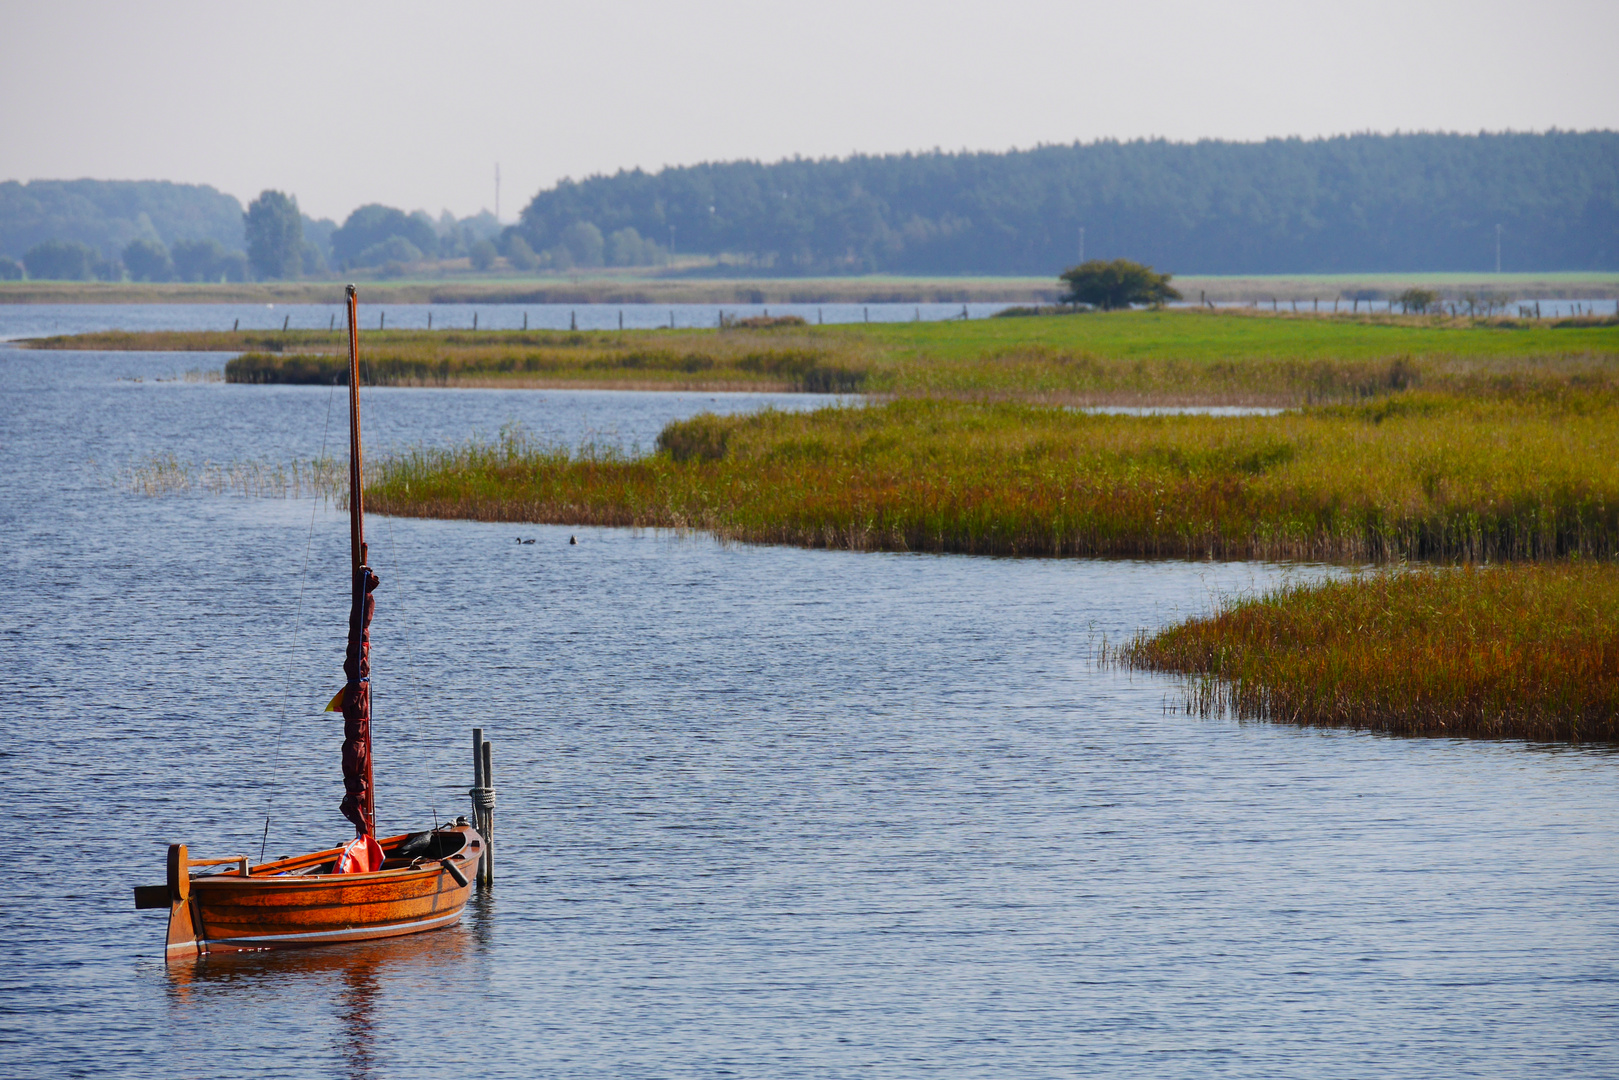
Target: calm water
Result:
[[36, 320], [763, 812]]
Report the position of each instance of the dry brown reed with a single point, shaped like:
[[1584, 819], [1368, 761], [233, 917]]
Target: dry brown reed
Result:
[[1526, 652], [1412, 476]]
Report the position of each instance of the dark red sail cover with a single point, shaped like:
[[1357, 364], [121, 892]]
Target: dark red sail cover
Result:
[[357, 709]]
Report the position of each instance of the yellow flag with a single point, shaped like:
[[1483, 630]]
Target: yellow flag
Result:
[[336, 704]]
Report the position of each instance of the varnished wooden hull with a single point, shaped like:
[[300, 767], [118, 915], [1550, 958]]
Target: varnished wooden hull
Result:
[[281, 905]]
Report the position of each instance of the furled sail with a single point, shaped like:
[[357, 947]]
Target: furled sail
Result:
[[357, 800]]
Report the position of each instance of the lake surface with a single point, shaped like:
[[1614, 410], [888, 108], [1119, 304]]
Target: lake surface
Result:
[[39, 320], [763, 812]]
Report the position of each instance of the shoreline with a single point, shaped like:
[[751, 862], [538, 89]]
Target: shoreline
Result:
[[877, 289]]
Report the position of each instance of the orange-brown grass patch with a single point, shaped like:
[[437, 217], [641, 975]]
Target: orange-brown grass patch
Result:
[[1525, 651], [1410, 476]]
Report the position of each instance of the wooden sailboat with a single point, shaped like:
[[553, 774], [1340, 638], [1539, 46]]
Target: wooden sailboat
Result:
[[368, 888]]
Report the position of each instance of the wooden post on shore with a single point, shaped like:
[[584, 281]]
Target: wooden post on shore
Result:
[[331, 326], [430, 320], [382, 320], [573, 320], [237, 325], [286, 323], [868, 313], [525, 321]]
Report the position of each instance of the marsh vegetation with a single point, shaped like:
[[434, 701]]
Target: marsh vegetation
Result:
[[1526, 651]]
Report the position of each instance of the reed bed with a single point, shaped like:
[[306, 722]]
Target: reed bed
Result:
[[1525, 651], [1129, 358], [168, 475], [1412, 476]]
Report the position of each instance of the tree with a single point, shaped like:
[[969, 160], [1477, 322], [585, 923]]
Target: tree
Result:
[[1116, 284], [375, 224], [198, 260], [148, 260], [584, 243], [275, 235], [1417, 300], [61, 260], [483, 254], [519, 254], [395, 249]]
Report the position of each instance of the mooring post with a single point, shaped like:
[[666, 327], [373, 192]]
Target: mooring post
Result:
[[483, 803], [488, 816], [286, 323], [525, 322]]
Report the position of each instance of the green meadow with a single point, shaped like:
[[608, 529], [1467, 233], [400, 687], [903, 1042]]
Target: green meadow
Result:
[[1174, 357]]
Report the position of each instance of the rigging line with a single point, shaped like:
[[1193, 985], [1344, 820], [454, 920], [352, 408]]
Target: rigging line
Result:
[[410, 681], [292, 652]]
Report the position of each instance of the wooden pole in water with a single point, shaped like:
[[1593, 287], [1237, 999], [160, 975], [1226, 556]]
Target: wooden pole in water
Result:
[[488, 830]]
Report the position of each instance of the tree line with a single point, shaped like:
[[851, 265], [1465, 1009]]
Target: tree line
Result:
[[1360, 203], [110, 230]]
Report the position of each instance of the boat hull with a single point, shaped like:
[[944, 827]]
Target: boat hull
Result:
[[288, 904]]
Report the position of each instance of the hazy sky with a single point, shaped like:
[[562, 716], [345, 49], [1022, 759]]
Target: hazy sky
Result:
[[413, 104]]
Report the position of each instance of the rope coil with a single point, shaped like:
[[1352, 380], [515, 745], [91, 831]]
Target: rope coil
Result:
[[483, 799]]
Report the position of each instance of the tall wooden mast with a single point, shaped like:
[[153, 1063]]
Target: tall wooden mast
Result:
[[359, 804]]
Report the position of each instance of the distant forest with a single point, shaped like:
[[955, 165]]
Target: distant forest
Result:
[[108, 214], [1351, 204], [1357, 204], [154, 230]]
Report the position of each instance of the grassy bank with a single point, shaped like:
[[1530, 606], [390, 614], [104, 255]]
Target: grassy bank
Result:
[[1526, 651], [1530, 472], [1141, 357]]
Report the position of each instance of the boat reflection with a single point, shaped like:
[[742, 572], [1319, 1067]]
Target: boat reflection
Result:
[[352, 977]]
